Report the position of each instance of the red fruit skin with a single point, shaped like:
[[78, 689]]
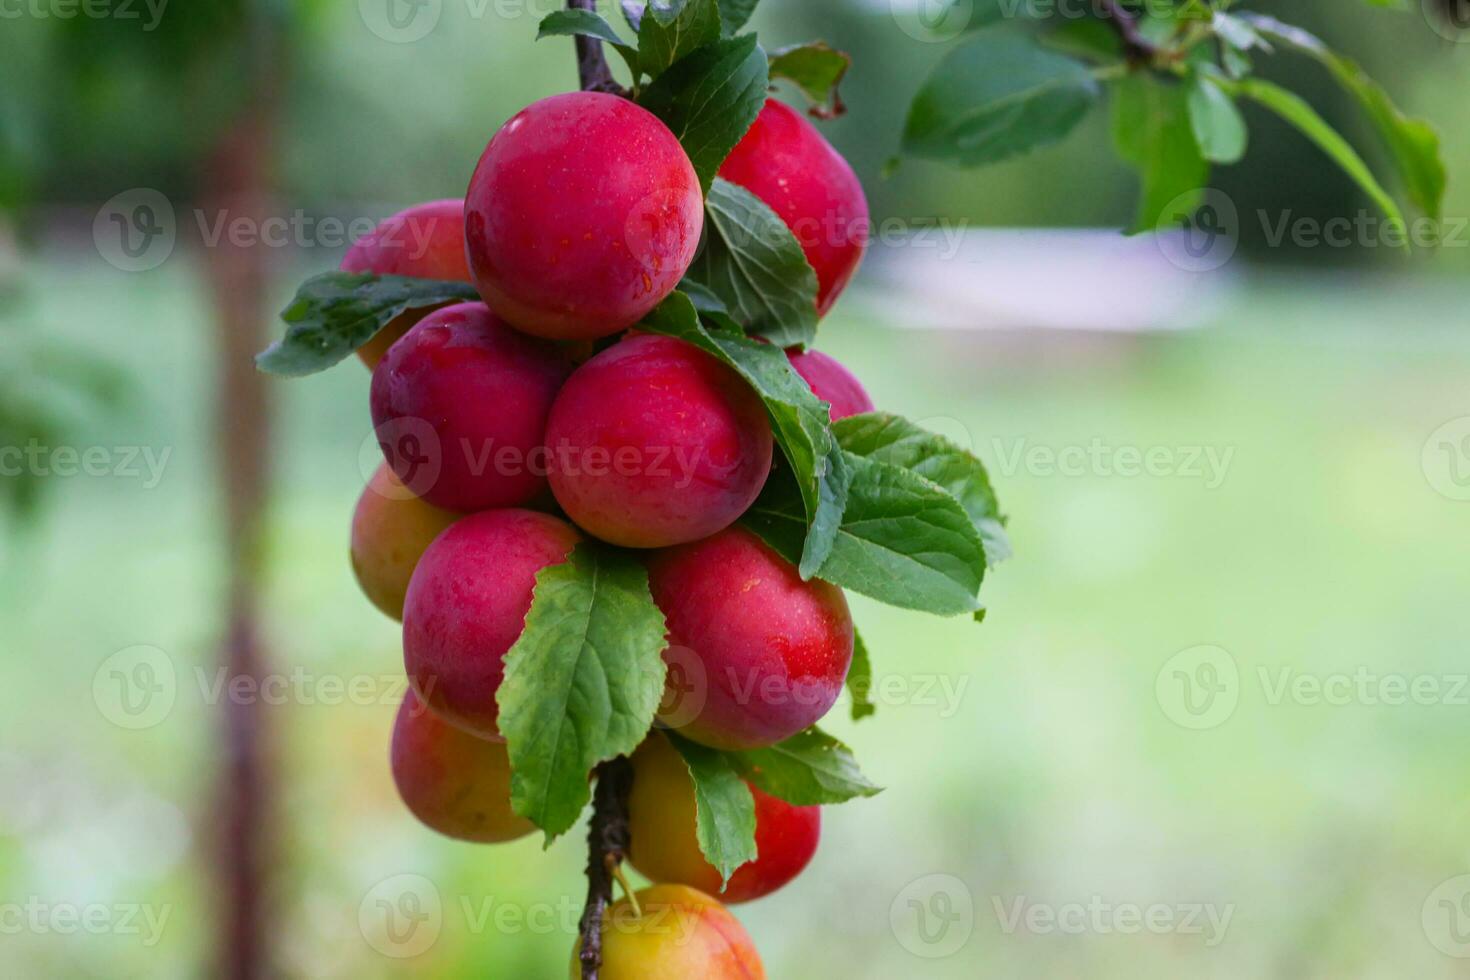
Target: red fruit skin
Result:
[[427, 242], [832, 383], [467, 605], [454, 782], [460, 406], [662, 816], [770, 652], [653, 442], [582, 216], [787, 163]]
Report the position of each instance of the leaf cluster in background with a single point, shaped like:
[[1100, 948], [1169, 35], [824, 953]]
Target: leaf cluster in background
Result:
[[1175, 75]]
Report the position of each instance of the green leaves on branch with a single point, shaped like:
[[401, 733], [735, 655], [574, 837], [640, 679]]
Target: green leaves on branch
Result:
[[886, 438], [710, 99], [753, 262], [1154, 131], [996, 97], [582, 683], [798, 419], [808, 769], [817, 69], [1006, 92], [335, 313], [1412, 143]]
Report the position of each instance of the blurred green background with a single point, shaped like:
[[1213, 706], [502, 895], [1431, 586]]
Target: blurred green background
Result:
[[1212, 727]]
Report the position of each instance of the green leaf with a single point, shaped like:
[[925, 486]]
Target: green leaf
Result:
[[903, 539], [710, 99], [566, 23], [815, 471], [671, 30], [1413, 143], [893, 439], [1295, 110], [809, 769], [1152, 131], [860, 679], [753, 262], [724, 821], [818, 70], [735, 13], [582, 683], [996, 97], [335, 313], [1219, 128]]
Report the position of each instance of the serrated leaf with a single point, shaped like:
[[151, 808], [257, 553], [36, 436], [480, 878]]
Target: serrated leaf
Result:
[[589, 23], [754, 264], [1413, 143], [1219, 128], [860, 679], [710, 99], [724, 821], [1152, 131], [669, 30], [1296, 111], [800, 422], [996, 97], [582, 683], [817, 69], [335, 313], [903, 539], [809, 769], [893, 439]]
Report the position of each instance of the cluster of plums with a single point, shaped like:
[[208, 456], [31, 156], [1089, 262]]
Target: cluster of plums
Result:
[[515, 427]]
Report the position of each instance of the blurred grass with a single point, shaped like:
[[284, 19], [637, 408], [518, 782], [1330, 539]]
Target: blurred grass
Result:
[[1056, 776]]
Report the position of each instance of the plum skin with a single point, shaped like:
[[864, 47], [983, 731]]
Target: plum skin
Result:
[[832, 383], [582, 216], [661, 819], [391, 529], [653, 443], [455, 783], [788, 164], [772, 651], [467, 606], [682, 934], [425, 241], [460, 405]]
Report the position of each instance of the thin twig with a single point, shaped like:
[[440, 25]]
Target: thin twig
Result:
[[592, 67], [1138, 48], [607, 846]]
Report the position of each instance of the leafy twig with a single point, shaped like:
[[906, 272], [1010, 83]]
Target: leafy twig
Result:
[[1139, 49]]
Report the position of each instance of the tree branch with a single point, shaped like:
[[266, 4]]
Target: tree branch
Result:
[[592, 67], [1138, 48], [607, 846]]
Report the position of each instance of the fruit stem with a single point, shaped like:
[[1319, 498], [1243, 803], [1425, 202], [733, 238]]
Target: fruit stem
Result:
[[607, 845], [615, 867], [592, 66]]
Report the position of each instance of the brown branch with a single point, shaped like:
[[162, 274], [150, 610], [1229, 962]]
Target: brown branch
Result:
[[1138, 48], [592, 66], [607, 846]]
